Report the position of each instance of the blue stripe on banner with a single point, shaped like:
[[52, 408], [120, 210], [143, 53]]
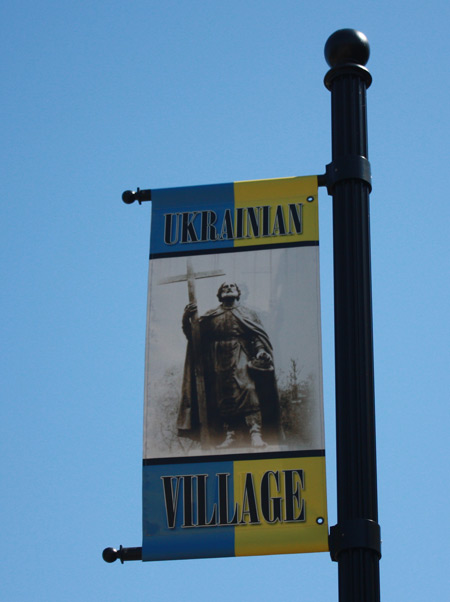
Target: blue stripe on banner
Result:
[[169, 514], [179, 215]]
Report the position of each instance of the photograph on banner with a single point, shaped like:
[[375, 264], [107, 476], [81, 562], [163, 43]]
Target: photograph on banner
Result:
[[249, 327]]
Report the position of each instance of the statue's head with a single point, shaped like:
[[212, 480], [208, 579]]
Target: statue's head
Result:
[[229, 290]]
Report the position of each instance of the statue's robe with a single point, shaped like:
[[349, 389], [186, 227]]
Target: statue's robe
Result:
[[235, 384]]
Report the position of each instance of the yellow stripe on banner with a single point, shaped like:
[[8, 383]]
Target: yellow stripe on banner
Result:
[[297, 488], [276, 207]]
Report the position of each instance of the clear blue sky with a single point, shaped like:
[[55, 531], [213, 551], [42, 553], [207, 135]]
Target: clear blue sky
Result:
[[103, 96]]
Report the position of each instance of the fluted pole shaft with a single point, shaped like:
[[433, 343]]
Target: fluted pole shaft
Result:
[[354, 541]]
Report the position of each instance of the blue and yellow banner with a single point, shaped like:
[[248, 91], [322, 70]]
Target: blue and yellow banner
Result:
[[234, 454], [240, 214], [235, 508]]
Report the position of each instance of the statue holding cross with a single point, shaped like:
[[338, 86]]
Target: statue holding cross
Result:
[[229, 396]]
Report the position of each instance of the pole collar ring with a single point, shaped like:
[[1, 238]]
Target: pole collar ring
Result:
[[350, 167], [355, 533]]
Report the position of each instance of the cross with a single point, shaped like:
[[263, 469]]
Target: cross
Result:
[[191, 276]]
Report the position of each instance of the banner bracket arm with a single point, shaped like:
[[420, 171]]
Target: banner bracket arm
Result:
[[129, 196], [123, 554], [322, 181]]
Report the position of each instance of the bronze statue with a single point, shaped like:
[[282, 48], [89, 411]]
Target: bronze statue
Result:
[[241, 398]]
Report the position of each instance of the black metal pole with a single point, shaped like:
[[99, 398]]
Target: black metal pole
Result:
[[355, 540]]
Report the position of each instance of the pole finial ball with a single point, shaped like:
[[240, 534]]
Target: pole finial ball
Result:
[[347, 46]]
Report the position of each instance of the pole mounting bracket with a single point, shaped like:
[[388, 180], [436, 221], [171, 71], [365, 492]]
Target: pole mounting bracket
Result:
[[355, 533], [348, 167]]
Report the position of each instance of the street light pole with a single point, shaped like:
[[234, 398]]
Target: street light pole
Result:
[[355, 540]]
